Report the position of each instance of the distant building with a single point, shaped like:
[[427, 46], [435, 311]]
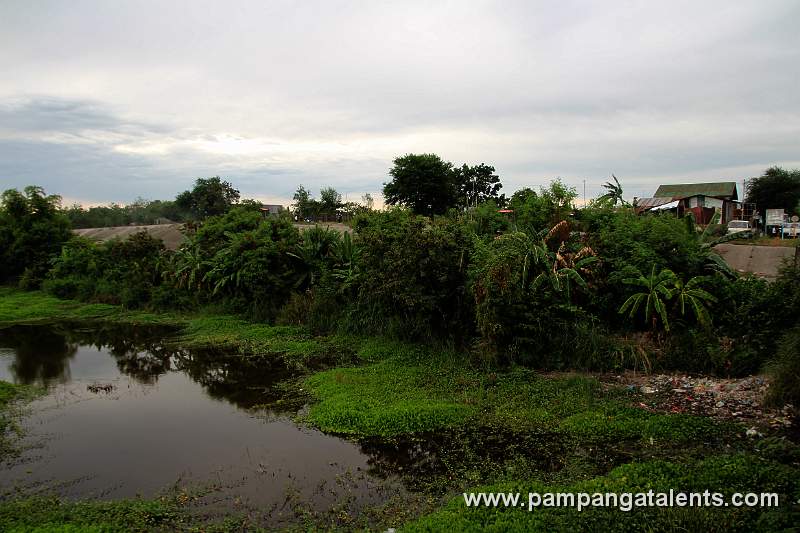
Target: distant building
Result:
[[271, 209], [702, 199]]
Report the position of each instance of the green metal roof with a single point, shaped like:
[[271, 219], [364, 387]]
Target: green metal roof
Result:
[[721, 189]]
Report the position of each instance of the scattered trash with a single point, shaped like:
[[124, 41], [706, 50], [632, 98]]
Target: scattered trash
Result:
[[728, 399]]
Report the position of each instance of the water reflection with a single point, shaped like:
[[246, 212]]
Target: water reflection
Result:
[[129, 412], [46, 356], [42, 358]]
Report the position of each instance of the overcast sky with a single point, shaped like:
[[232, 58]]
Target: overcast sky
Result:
[[106, 101]]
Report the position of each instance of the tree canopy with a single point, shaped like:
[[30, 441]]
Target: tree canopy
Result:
[[476, 185], [777, 188], [32, 230], [209, 197], [423, 182]]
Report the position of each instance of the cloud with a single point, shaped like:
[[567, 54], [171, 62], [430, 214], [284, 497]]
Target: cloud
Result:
[[106, 102]]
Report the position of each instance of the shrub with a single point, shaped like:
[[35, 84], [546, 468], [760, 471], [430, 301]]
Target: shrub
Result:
[[527, 297], [411, 277], [122, 272], [32, 230], [785, 371]]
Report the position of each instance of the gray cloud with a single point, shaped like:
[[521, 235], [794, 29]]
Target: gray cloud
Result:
[[107, 101]]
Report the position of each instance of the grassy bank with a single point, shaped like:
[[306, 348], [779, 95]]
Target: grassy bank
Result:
[[492, 429], [724, 474], [401, 389], [53, 515], [202, 329]]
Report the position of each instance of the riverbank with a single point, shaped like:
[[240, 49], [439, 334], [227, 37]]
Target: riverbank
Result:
[[459, 425]]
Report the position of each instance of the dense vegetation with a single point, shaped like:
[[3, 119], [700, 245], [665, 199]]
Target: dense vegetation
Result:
[[437, 314], [541, 283]]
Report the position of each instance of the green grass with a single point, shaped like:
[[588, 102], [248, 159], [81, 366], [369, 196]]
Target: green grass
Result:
[[725, 474], [10, 395], [402, 389], [397, 390], [36, 307], [53, 515], [294, 345]]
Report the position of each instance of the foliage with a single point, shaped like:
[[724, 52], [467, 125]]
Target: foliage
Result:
[[485, 220], [139, 212], [252, 271], [117, 272], [513, 278], [777, 188], [330, 200], [476, 185], [411, 278], [328, 207], [785, 371], [537, 211], [32, 230], [303, 202], [659, 289], [613, 194], [209, 197], [422, 182]]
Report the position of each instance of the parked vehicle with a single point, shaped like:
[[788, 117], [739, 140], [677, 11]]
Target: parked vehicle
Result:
[[736, 226], [791, 230]]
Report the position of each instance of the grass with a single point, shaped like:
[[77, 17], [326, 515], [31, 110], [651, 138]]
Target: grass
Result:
[[765, 240], [54, 515], [10, 395], [294, 345], [389, 391], [404, 389], [35, 307], [725, 474]]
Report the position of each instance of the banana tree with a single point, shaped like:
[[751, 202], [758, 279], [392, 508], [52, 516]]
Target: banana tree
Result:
[[692, 295], [614, 194], [656, 292]]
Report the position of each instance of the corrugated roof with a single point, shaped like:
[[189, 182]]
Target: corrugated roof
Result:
[[649, 203], [684, 190]]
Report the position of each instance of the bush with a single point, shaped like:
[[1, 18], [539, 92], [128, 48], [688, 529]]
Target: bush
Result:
[[124, 272], [411, 279], [32, 230], [523, 314], [785, 371]]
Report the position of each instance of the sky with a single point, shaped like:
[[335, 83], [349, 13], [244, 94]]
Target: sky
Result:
[[109, 101]]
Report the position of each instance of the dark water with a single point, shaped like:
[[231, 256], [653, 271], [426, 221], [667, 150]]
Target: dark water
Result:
[[127, 415]]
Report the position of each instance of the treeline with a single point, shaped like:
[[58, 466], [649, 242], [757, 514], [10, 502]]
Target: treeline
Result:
[[541, 283]]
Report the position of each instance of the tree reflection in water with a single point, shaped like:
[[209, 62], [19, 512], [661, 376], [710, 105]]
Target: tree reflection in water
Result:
[[42, 354]]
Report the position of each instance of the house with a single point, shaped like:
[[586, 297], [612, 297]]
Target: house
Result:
[[702, 199], [271, 209]]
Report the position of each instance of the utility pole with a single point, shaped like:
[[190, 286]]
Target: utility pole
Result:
[[584, 193]]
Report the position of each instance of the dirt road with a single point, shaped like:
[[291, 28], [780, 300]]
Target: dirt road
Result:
[[762, 261]]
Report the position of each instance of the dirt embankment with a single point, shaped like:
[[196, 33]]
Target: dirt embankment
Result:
[[762, 261], [171, 234]]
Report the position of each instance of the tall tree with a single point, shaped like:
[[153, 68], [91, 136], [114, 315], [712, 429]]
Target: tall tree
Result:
[[32, 230], [777, 188], [423, 182], [302, 201], [476, 184], [209, 197], [330, 200]]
